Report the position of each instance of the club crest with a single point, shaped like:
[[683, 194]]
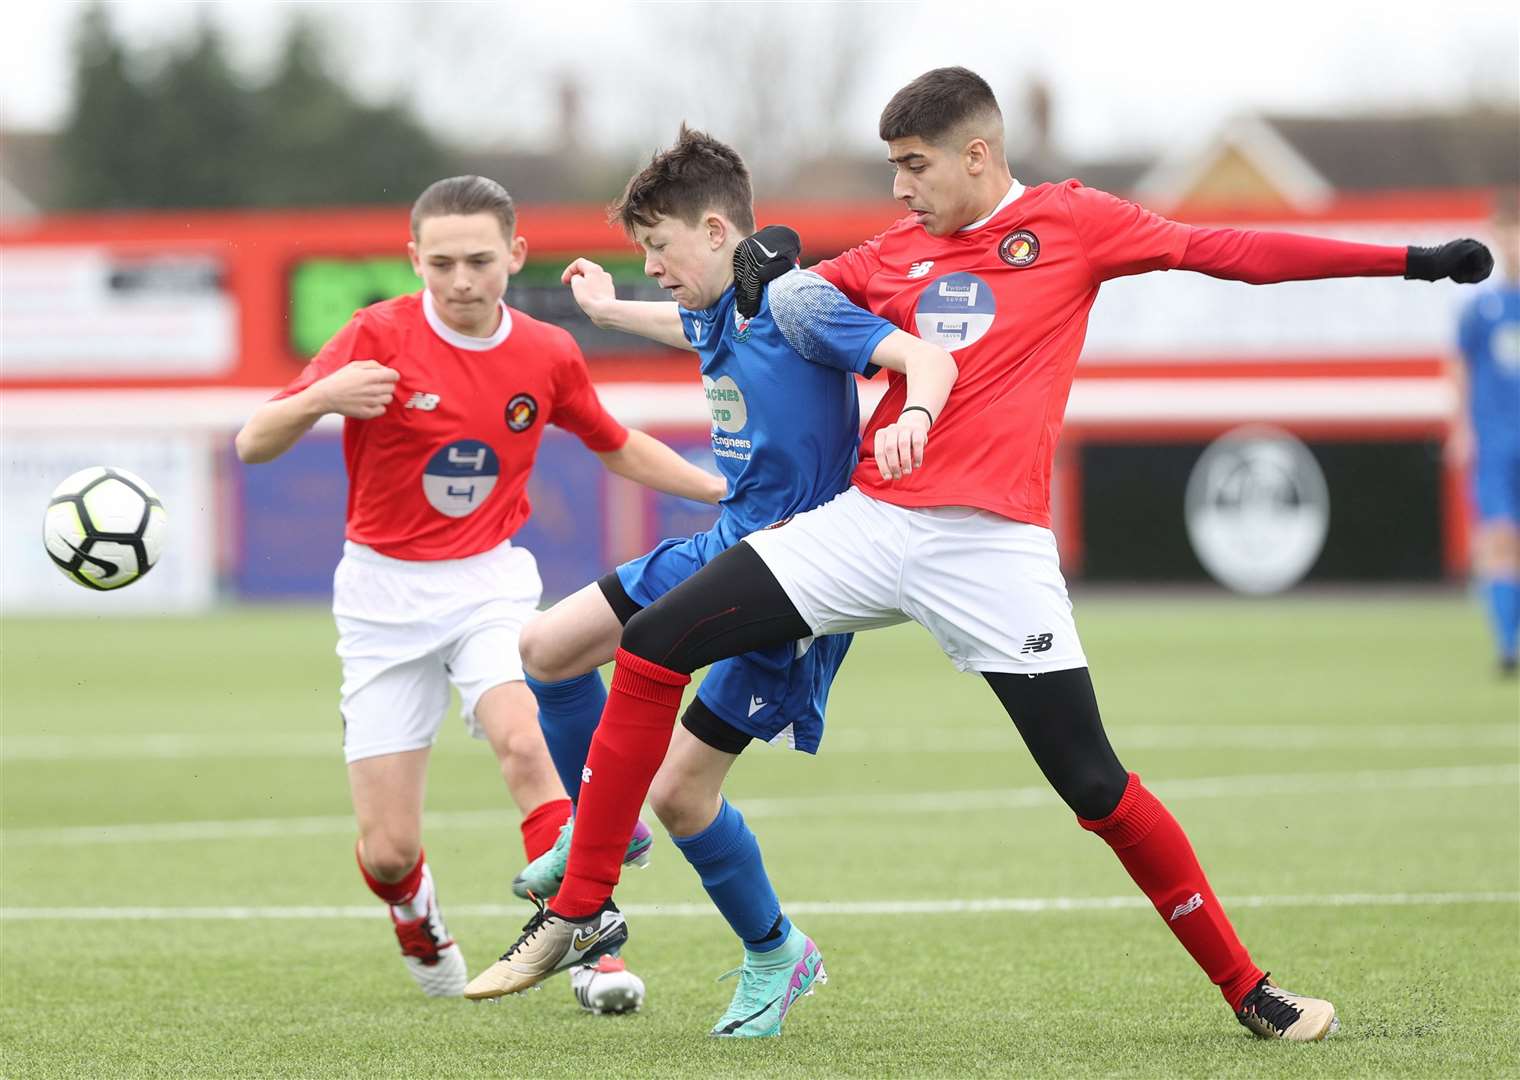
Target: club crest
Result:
[[1019, 248]]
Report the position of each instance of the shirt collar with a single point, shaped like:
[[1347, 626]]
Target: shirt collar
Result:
[[465, 341], [1014, 191]]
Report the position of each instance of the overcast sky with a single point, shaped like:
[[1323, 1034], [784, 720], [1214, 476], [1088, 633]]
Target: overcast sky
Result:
[[1125, 76]]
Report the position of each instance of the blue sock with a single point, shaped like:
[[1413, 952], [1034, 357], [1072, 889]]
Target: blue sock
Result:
[[726, 856], [1503, 598], [568, 713]]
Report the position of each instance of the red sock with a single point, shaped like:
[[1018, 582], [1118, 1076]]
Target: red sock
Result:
[[626, 751], [393, 892], [1156, 852], [540, 829]]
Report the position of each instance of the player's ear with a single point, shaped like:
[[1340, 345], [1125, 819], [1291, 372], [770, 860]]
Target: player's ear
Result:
[[717, 231], [517, 253], [975, 156], [411, 253]]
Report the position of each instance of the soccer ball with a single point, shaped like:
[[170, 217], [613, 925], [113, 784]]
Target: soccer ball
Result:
[[104, 528]]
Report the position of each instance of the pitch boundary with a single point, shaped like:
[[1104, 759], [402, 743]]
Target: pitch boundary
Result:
[[854, 908], [1370, 781]]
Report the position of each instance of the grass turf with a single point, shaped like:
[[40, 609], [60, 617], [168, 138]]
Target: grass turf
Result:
[[1313, 747]]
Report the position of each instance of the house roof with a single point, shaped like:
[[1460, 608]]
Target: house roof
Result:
[[26, 171], [1477, 148], [1307, 158]]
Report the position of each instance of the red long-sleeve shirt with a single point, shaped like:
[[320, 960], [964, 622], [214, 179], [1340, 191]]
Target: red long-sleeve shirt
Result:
[[1010, 299]]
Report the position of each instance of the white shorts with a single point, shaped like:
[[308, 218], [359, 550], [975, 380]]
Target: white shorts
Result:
[[989, 589], [407, 629]]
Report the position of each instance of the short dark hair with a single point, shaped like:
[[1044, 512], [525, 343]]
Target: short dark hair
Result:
[[696, 175], [465, 195], [936, 103]]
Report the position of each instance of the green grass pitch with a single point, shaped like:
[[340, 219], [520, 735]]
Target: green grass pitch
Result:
[[1346, 766]]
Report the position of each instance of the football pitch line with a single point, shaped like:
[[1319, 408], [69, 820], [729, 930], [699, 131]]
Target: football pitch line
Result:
[[1020, 905], [1371, 781], [994, 736]]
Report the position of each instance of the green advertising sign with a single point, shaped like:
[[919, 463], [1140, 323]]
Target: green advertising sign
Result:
[[325, 292]]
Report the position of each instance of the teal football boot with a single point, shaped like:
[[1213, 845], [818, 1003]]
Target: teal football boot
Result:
[[769, 985]]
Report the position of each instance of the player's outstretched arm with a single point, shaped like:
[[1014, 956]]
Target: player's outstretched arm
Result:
[[594, 291], [931, 373], [360, 390], [1263, 258], [646, 460]]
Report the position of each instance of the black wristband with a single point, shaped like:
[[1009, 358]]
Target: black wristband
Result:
[[919, 408], [1420, 264]]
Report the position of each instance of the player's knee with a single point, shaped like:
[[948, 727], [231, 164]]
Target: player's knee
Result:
[[1504, 548], [681, 809], [1093, 794], [519, 743], [388, 856], [536, 646], [666, 802], [644, 636]]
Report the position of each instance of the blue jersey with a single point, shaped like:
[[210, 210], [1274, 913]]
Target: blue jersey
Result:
[[781, 387], [786, 432], [1490, 339]]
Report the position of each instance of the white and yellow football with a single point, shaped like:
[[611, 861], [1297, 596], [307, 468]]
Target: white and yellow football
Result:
[[104, 527]]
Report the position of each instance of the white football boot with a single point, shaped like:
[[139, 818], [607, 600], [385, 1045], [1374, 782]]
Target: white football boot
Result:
[[607, 986], [430, 954]]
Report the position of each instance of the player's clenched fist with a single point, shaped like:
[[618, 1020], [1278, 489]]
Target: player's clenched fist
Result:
[[592, 286], [360, 389], [900, 445]]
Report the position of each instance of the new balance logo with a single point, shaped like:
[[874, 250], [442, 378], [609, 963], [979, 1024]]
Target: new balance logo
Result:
[[1037, 643], [1194, 902], [425, 402], [755, 704], [919, 269]]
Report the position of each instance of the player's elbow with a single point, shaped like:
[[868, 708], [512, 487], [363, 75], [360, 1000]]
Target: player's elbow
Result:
[[243, 444], [615, 461], [250, 449]]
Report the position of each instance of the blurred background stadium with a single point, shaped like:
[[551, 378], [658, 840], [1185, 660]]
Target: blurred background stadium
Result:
[[219, 189], [194, 197]]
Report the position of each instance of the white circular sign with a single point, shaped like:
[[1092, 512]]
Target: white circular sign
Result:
[[460, 476], [1257, 509], [954, 311]]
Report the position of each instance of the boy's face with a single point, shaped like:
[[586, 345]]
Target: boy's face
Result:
[[465, 262], [936, 183], [694, 261], [1507, 238]]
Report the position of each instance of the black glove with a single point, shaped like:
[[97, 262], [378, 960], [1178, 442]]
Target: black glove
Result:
[[761, 259], [1465, 261]]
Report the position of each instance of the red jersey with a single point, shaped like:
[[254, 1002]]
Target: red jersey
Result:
[[1009, 298], [443, 472]]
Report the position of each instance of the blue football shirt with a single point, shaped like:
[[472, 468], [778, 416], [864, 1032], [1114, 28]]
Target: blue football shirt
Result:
[[1489, 335], [781, 388]]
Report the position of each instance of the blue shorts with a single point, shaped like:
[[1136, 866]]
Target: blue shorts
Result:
[[775, 695], [1496, 483]]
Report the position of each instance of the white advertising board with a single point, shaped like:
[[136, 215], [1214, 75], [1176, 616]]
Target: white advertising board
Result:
[[180, 468], [89, 313]]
